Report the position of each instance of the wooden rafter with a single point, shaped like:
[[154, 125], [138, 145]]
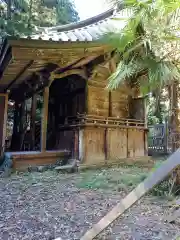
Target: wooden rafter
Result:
[[19, 75], [86, 61]]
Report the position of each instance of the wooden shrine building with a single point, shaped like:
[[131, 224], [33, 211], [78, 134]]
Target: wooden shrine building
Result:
[[69, 69]]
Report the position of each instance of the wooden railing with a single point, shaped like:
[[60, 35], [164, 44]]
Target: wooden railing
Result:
[[87, 120], [91, 120]]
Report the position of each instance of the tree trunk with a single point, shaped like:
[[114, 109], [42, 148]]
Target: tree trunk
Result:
[[174, 116], [174, 124], [9, 5], [30, 14]]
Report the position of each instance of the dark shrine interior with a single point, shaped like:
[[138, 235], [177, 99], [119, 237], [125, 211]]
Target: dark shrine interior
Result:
[[67, 97]]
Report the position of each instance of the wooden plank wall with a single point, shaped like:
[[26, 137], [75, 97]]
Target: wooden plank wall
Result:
[[94, 140], [102, 144], [119, 103], [97, 93], [98, 101], [136, 144], [23, 160], [102, 102], [117, 143], [107, 144]]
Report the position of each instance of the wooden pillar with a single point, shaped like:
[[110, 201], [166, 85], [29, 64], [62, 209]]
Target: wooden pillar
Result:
[[33, 119], [15, 128], [3, 120], [44, 119], [112, 66]]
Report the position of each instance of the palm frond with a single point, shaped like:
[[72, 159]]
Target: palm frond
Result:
[[150, 73], [125, 71], [149, 28], [119, 41]]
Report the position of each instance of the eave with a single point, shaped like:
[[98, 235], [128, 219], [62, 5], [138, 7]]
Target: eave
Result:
[[53, 49]]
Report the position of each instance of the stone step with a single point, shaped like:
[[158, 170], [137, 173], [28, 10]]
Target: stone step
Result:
[[71, 166]]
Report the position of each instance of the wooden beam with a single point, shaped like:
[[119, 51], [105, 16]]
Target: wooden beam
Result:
[[86, 60], [19, 75], [41, 44], [81, 72], [160, 174], [44, 119]]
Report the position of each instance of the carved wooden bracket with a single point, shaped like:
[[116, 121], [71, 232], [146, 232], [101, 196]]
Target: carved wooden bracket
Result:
[[81, 72]]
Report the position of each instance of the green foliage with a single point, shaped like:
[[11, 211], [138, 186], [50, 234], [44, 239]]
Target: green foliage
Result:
[[113, 179], [39, 108], [51, 13], [19, 17], [65, 12], [148, 27], [126, 179], [41, 15], [157, 109], [14, 22]]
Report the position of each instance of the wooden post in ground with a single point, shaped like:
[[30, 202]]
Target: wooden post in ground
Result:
[[160, 174], [3, 120], [44, 119]]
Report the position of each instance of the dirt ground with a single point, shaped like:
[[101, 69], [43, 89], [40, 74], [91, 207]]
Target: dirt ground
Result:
[[37, 206]]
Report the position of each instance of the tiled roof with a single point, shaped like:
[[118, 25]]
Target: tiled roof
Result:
[[88, 30]]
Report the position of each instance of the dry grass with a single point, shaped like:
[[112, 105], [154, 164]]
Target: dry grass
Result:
[[112, 179]]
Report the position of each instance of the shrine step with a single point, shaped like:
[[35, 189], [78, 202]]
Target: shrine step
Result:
[[22, 161]]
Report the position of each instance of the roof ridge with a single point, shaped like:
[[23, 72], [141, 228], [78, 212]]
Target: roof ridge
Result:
[[81, 24], [85, 31]]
